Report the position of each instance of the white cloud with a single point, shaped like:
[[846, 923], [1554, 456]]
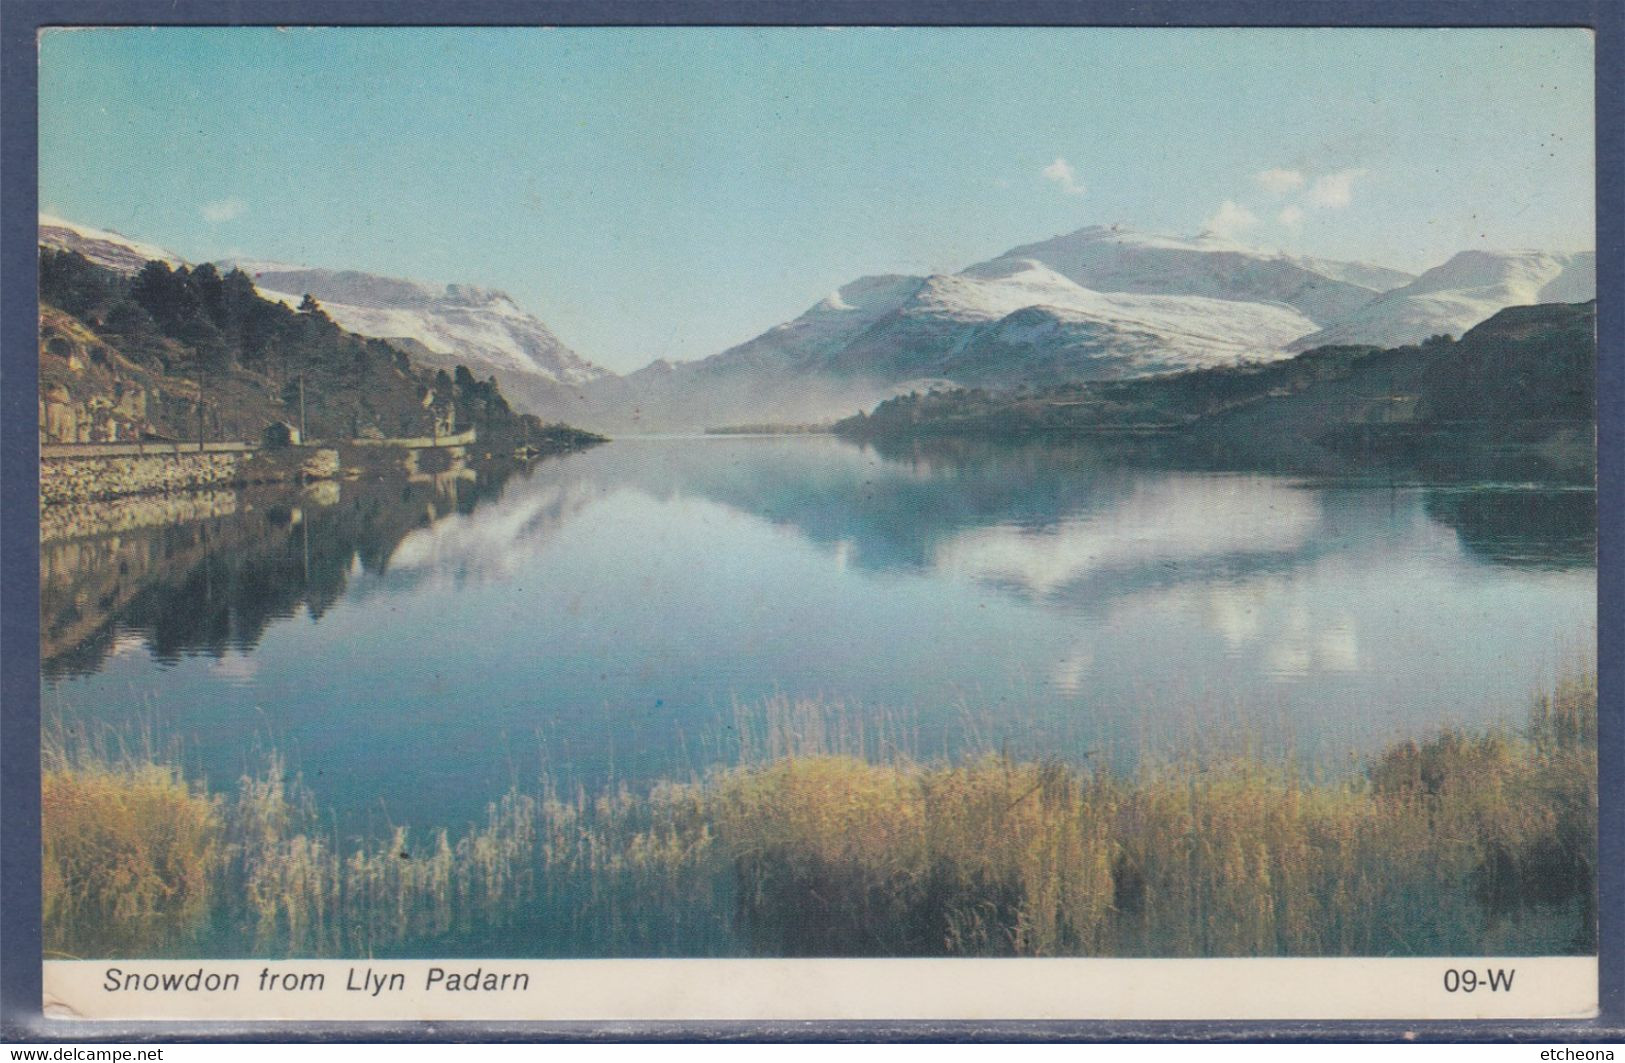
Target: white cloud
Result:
[[1278, 182], [1334, 190], [222, 210], [1231, 221], [1065, 177], [1290, 215]]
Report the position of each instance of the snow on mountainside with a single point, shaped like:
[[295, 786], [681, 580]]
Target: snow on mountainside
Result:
[[1377, 278], [101, 246], [456, 323], [822, 331], [1074, 333], [1115, 259], [1468, 289], [1018, 321]]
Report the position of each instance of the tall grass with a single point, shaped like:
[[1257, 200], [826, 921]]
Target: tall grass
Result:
[[827, 841], [131, 851]]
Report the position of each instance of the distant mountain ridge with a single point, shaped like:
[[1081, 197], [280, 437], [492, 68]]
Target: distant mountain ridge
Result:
[[1463, 292], [440, 325], [1101, 302]]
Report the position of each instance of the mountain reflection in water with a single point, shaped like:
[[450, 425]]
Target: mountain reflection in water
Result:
[[604, 614]]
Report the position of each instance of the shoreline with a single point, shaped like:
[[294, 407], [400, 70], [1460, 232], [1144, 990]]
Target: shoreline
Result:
[[111, 472], [1466, 842]]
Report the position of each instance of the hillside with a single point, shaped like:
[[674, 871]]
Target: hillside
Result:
[[1524, 378], [177, 353], [441, 326]]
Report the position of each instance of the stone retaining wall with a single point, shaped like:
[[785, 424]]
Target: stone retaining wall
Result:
[[81, 479]]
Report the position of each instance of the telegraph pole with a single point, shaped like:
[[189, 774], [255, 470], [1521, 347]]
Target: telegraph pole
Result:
[[301, 408]]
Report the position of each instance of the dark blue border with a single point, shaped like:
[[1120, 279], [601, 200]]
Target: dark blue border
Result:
[[19, 475]]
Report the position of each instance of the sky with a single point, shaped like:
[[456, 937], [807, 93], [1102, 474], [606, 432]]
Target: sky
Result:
[[667, 193]]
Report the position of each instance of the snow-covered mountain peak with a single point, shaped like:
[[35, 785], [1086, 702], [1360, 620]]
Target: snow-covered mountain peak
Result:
[[1205, 242], [867, 294], [355, 288], [1118, 259]]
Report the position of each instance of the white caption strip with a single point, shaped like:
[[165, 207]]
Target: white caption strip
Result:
[[610, 990]]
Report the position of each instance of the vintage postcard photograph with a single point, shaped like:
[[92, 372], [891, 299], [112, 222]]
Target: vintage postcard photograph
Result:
[[834, 523]]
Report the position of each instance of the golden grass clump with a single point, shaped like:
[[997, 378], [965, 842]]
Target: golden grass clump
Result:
[[129, 854]]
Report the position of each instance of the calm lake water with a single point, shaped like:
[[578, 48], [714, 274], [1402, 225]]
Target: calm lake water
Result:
[[627, 612]]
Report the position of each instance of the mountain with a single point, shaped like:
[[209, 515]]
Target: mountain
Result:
[[442, 326], [1116, 259], [1102, 302], [102, 246], [1454, 297], [1012, 322], [780, 375]]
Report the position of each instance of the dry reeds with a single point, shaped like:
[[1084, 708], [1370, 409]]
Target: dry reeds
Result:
[[1459, 844], [130, 852]]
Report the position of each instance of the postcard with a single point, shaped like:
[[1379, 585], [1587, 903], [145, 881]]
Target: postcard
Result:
[[729, 523]]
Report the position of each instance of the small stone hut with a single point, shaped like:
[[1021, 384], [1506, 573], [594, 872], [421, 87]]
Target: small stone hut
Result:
[[280, 434]]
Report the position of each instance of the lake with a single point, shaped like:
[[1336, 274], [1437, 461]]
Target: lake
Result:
[[646, 608]]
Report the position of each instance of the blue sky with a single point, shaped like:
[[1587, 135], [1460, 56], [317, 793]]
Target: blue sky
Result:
[[669, 192]]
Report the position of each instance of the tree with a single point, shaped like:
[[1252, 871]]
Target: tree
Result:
[[309, 305], [69, 281], [210, 290], [127, 318], [165, 295]]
